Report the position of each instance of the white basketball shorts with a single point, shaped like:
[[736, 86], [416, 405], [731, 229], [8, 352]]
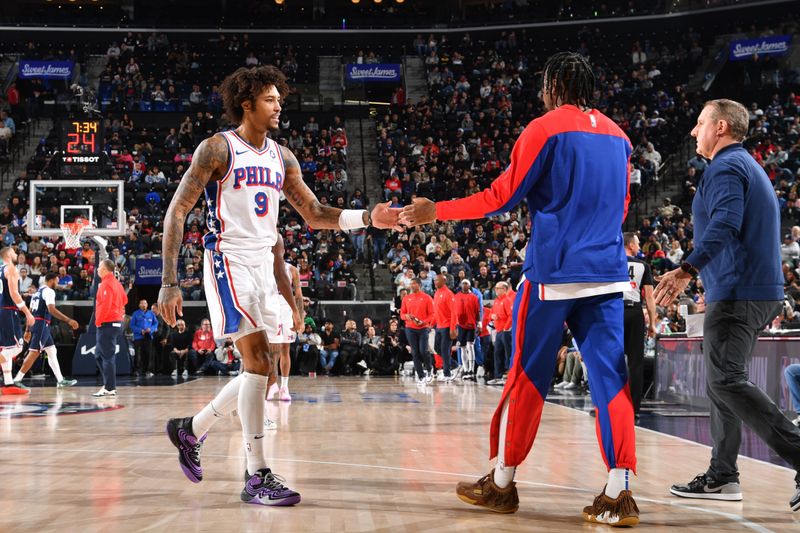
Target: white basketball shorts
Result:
[[237, 296]]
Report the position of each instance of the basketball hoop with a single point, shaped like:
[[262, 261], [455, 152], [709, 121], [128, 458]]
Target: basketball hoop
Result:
[[72, 232]]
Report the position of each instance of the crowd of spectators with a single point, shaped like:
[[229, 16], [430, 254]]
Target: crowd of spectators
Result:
[[459, 137], [151, 73], [452, 142], [151, 161], [773, 140]]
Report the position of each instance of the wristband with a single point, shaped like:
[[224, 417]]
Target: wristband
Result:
[[168, 285], [21, 305], [689, 269], [352, 219]]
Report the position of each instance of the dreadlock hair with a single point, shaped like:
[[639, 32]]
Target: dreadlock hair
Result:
[[245, 84], [568, 79]]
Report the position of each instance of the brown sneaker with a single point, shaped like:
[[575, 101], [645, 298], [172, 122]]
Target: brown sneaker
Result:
[[621, 511], [486, 494]]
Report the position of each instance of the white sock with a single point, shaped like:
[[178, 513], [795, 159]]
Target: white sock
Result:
[[470, 357], [221, 406], [251, 413], [10, 353], [19, 376], [52, 360], [503, 475], [618, 480], [284, 382], [7, 377]]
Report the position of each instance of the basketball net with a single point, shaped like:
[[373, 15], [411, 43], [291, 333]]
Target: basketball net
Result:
[[72, 232]]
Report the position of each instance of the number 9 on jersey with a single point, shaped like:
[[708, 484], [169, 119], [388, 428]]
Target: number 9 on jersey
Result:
[[262, 204]]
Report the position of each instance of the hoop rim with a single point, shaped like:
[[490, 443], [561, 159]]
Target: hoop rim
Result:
[[72, 231]]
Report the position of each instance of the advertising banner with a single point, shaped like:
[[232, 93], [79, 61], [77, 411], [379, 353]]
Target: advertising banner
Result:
[[776, 45], [372, 73], [49, 70]]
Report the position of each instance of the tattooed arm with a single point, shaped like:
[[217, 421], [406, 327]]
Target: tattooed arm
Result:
[[209, 162], [303, 199], [298, 292]]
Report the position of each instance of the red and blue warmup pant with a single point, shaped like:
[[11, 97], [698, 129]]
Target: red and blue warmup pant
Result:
[[596, 324]]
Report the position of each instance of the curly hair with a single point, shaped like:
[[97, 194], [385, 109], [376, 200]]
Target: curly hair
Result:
[[245, 84]]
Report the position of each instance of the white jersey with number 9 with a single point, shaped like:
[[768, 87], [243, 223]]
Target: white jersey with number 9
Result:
[[243, 205]]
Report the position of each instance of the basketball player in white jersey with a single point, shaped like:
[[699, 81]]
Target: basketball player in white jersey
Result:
[[285, 335], [242, 172]]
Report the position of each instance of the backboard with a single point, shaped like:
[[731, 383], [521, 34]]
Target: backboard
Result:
[[54, 202]]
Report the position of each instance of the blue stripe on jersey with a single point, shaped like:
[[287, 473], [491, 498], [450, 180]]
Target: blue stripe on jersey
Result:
[[231, 314], [213, 223], [39, 306]]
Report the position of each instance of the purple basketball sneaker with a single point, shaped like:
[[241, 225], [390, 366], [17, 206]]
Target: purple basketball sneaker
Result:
[[266, 488], [180, 434]]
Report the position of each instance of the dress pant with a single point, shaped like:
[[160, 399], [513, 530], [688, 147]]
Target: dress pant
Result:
[[145, 359], [634, 350], [730, 334], [502, 353], [105, 353], [418, 341], [443, 345]]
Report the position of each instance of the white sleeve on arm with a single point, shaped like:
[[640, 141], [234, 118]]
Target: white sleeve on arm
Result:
[[49, 296]]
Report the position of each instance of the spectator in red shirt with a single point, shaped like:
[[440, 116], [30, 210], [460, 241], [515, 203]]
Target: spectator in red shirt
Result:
[[392, 186], [502, 316], [443, 321], [192, 236], [431, 149], [340, 137], [466, 309], [484, 339], [203, 345], [12, 95], [416, 311]]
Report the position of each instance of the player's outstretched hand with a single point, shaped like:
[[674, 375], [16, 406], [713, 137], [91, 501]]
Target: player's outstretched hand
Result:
[[170, 302], [421, 211], [671, 286], [385, 217], [73, 324]]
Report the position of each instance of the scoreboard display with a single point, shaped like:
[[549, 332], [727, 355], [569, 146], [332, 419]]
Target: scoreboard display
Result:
[[81, 147]]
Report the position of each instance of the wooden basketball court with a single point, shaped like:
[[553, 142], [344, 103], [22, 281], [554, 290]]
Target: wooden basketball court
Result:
[[365, 454]]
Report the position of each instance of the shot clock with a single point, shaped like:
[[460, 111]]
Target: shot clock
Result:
[[81, 147]]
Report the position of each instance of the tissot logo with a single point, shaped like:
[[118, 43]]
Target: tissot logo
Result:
[[80, 159]]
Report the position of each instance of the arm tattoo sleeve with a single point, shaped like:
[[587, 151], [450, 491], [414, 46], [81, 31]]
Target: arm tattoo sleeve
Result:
[[209, 161]]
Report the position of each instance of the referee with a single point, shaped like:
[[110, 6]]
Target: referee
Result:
[[109, 314], [641, 278]]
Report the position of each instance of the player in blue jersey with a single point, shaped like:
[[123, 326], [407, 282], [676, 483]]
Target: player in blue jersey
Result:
[[571, 166], [11, 303], [43, 307]]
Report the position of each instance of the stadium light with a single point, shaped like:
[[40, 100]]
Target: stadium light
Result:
[[279, 2], [355, 1]]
